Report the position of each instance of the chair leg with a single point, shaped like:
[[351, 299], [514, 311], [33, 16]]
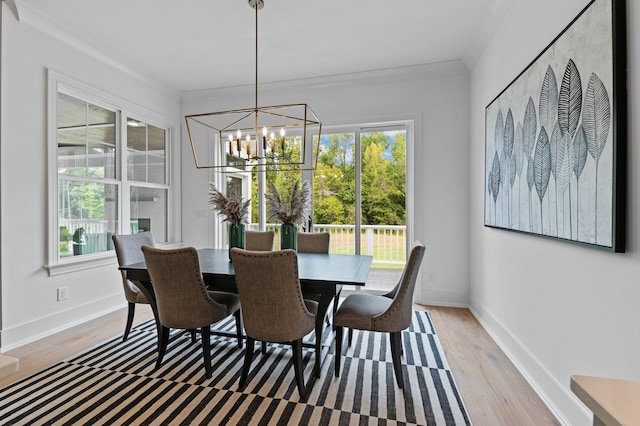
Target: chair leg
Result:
[[162, 348], [396, 347], [193, 336], [127, 328], [248, 357], [350, 336], [206, 349], [297, 367], [338, 355], [264, 347], [238, 327]]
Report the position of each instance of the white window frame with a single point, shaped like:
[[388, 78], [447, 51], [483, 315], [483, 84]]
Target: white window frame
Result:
[[58, 82], [409, 126]]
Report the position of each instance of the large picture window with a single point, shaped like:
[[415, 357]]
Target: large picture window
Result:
[[111, 175], [361, 195]]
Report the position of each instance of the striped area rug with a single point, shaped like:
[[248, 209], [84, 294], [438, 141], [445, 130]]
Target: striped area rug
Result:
[[115, 383]]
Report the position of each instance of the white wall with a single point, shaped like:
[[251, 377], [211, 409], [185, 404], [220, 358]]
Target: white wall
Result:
[[435, 96], [557, 308], [29, 308]]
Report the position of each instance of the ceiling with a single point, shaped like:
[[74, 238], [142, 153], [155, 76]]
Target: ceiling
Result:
[[201, 44]]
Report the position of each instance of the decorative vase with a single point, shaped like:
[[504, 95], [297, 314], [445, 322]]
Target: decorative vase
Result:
[[288, 236], [237, 237]]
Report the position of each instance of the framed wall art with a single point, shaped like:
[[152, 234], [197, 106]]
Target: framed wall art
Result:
[[555, 137]]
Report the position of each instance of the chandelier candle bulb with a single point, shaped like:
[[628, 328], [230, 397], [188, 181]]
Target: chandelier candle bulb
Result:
[[264, 138]]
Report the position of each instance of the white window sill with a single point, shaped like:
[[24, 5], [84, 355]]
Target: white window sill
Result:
[[81, 263], [90, 261]]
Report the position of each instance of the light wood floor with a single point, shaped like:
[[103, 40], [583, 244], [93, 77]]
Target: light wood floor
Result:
[[492, 389]]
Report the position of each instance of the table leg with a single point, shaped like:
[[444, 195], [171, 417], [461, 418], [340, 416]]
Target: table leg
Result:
[[336, 299], [323, 304]]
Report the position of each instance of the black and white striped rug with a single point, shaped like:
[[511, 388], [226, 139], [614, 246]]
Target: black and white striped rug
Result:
[[115, 383]]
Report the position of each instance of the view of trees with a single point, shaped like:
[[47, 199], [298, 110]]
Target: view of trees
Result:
[[81, 200], [383, 179]]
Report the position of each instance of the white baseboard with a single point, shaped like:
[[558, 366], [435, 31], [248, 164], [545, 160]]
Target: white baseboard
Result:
[[452, 299], [565, 406], [38, 328]]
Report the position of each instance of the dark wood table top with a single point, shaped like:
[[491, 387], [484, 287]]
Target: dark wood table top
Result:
[[344, 269]]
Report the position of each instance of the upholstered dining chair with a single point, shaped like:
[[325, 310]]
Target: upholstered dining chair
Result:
[[128, 252], [381, 313], [272, 305], [259, 241], [183, 300], [317, 242], [313, 242]]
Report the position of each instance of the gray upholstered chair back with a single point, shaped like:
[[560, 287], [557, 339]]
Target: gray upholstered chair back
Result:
[[398, 316], [259, 241], [313, 243], [128, 252], [181, 295], [273, 308]]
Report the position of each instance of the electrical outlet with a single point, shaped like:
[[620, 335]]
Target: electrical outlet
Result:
[[63, 293]]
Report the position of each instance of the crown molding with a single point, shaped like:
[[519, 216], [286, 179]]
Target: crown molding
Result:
[[383, 76], [32, 17], [36, 19], [13, 7]]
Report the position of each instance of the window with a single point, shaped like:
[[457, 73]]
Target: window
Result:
[[110, 174], [147, 178], [361, 194]]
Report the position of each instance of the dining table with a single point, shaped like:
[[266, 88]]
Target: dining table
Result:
[[321, 275]]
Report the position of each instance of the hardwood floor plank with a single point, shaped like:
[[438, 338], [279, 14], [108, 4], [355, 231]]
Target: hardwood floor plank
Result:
[[492, 388]]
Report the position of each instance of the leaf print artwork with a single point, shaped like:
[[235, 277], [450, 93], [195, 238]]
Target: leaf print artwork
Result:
[[579, 161], [494, 180], [596, 120], [529, 128], [570, 99], [542, 168], [549, 99], [555, 137]]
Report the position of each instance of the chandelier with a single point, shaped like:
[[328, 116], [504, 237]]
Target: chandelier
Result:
[[279, 137]]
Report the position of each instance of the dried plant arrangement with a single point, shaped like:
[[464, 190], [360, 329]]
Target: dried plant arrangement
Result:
[[292, 211], [230, 207]]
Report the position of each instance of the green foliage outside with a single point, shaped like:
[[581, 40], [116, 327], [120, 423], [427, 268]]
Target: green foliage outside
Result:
[[81, 199], [383, 180]]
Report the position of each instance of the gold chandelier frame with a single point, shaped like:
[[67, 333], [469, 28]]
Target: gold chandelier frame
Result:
[[245, 139]]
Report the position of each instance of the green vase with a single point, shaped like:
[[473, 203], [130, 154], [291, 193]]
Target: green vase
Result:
[[237, 237], [288, 236]]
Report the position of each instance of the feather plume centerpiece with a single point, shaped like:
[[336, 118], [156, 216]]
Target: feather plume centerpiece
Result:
[[229, 206], [291, 211]]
